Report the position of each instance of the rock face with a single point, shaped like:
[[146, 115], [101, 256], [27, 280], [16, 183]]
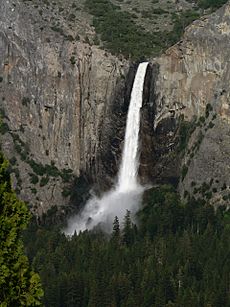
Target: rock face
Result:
[[112, 135], [193, 83], [55, 93], [64, 104]]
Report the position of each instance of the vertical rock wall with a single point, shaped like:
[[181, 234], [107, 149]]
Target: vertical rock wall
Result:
[[55, 94], [193, 84]]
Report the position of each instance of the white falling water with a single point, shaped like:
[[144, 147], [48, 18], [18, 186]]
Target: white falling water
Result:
[[127, 179], [127, 193]]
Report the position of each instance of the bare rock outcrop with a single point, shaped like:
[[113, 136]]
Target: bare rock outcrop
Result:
[[64, 103], [55, 93], [192, 89]]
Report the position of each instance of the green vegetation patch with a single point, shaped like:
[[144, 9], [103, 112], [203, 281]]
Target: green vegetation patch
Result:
[[44, 181], [33, 178], [45, 171], [164, 260], [214, 4], [4, 128], [19, 285], [25, 101], [119, 32], [181, 21], [185, 131]]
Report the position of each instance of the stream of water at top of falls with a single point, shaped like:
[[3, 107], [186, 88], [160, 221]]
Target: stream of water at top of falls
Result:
[[127, 193]]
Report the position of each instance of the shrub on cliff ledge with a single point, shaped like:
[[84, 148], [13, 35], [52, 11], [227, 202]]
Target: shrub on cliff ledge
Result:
[[211, 3]]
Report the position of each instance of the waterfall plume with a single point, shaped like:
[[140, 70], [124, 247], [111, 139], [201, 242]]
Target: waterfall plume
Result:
[[126, 195]]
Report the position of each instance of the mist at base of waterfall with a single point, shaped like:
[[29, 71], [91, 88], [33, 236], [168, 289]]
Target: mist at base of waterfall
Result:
[[102, 211], [127, 193]]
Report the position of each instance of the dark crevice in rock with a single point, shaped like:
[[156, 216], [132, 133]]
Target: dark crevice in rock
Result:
[[158, 159], [147, 124]]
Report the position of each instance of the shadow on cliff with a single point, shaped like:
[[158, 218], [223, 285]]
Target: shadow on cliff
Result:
[[159, 163]]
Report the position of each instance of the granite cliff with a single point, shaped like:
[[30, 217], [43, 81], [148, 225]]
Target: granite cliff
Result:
[[64, 102], [55, 94], [191, 110]]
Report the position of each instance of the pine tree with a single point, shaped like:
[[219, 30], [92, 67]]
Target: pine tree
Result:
[[127, 237], [116, 231], [19, 285]]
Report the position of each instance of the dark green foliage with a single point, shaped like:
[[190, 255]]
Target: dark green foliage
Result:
[[181, 21], [205, 189], [66, 192], [38, 168], [214, 117], [208, 195], [127, 232], [44, 181], [49, 170], [2, 112], [66, 174], [57, 29], [211, 125], [25, 101], [198, 142], [72, 60], [45, 171], [16, 172], [159, 11], [202, 120], [177, 256], [116, 234], [79, 191], [72, 17], [13, 161], [19, 285], [193, 184], [20, 147], [186, 130], [33, 178], [22, 129], [4, 128], [120, 33], [214, 190], [33, 190], [211, 3]]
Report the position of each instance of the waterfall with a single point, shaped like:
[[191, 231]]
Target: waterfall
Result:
[[127, 179], [126, 195]]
